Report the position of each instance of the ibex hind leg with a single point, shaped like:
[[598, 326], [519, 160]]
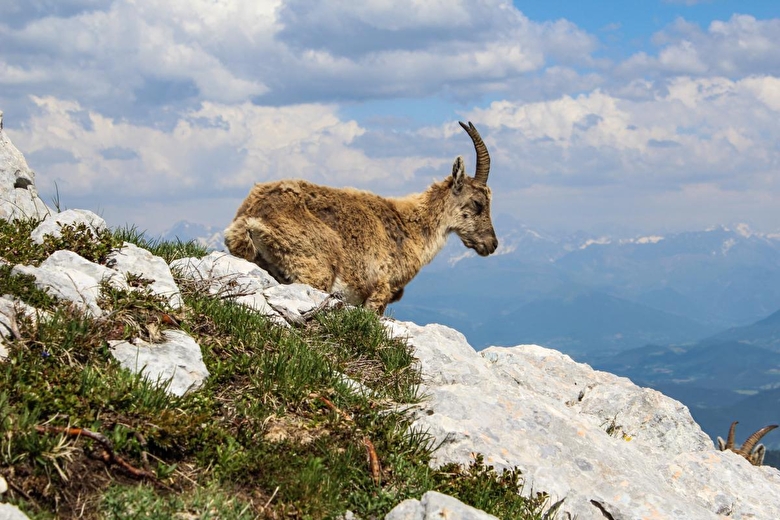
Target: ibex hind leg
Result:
[[285, 260], [241, 240], [238, 241]]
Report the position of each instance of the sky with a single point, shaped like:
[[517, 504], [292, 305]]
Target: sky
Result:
[[602, 116]]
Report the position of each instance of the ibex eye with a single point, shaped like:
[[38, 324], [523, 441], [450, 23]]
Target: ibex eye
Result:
[[478, 207]]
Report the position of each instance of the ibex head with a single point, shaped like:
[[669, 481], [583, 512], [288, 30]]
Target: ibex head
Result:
[[471, 200], [751, 450]]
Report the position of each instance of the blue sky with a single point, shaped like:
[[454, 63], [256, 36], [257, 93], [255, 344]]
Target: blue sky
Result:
[[638, 117]]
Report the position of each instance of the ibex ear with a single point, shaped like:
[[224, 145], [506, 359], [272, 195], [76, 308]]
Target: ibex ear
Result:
[[458, 175], [757, 457]]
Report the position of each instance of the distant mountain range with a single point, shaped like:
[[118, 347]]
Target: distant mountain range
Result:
[[672, 289], [730, 376], [207, 236]]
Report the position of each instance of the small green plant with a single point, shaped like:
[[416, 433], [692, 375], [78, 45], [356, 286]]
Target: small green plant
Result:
[[80, 239], [481, 486], [18, 247], [23, 287], [614, 429]]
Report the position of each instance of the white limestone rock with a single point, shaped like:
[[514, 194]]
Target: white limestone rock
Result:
[[176, 363], [230, 277], [10, 308], [53, 223], [436, 506], [131, 259], [294, 300], [70, 277], [538, 410], [660, 425], [11, 512], [18, 196], [8, 327]]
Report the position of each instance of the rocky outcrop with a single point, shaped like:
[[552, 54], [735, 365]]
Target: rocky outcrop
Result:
[[9, 512], [608, 448], [435, 506], [177, 361], [18, 196]]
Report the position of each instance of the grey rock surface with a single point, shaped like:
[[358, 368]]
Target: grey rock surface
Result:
[[10, 512], [53, 223], [436, 506], [293, 300], [10, 308], [594, 439], [177, 362], [131, 259], [230, 277], [70, 277], [8, 327], [18, 196]]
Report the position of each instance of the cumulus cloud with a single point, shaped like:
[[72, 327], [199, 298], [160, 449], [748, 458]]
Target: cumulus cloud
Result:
[[691, 131], [116, 56], [737, 47], [105, 58], [215, 152]]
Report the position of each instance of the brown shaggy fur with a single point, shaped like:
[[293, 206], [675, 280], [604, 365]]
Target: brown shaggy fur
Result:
[[352, 242]]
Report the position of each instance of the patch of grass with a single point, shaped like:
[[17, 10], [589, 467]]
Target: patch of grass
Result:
[[18, 248], [15, 243], [23, 287], [481, 486], [168, 250], [81, 240], [144, 501], [276, 431]]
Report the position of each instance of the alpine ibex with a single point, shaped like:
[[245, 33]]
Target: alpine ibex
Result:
[[751, 450], [360, 245]]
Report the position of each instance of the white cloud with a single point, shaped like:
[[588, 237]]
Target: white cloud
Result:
[[215, 152], [104, 55], [714, 131], [134, 51], [737, 47]]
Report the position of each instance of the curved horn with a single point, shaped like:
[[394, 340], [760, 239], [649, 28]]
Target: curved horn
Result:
[[751, 441], [730, 439], [483, 157]]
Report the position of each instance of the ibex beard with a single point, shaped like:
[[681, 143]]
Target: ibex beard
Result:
[[355, 243]]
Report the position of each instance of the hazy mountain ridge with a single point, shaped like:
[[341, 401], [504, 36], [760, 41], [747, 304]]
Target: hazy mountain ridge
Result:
[[210, 237], [730, 376], [717, 278]]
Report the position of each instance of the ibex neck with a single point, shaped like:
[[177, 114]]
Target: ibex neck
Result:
[[425, 214]]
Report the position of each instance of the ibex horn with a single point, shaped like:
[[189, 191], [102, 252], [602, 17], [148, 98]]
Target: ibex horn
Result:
[[483, 157], [751, 441], [730, 439]]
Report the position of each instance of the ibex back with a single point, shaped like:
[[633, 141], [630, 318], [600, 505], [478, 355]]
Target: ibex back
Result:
[[360, 245]]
